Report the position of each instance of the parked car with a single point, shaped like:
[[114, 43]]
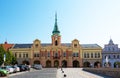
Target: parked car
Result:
[[8, 68], [37, 66], [22, 68], [3, 72], [16, 68], [26, 67]]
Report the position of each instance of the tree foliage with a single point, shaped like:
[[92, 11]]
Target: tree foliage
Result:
[[10, 59], [2, 51]]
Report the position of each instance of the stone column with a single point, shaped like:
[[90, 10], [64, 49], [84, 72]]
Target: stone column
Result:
[[43, 61], [70, 62]]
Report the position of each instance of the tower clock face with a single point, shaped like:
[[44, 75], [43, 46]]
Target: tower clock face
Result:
[[56, 37]]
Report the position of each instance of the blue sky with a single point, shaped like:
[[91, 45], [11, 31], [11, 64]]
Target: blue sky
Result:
[[89, 21]]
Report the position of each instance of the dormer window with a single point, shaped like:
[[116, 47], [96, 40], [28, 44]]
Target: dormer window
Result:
[[36, 45], [75, 45]]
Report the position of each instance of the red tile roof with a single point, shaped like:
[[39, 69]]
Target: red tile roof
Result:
[[7, 46]]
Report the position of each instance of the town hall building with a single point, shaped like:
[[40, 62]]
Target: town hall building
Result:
[[58, 54]]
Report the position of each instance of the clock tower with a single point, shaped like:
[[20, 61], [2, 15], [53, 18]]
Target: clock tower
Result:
[[56, 38]]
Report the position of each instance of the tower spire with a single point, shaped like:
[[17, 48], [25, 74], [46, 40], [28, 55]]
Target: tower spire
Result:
[[111, 42], [56, 30]]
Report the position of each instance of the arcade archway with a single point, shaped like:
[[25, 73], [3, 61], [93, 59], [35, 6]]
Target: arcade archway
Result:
[[75, 63], [56, 63], [97, 64], [64, 63], [48, 63], [25, 62], [86, 64], [116, 64]]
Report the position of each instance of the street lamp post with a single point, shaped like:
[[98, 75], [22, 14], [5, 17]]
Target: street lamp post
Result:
[[4, 59]]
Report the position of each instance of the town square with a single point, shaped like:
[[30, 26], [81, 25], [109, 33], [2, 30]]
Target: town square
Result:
[[59, 39]]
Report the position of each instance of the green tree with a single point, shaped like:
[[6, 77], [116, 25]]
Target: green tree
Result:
[[2, 52], [10, 59]]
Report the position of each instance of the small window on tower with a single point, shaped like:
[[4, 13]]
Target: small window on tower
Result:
[[36, 45], [56, 43], [75, 45]]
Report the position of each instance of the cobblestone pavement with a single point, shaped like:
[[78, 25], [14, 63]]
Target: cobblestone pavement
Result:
[[55, 73], [44, 73], [76, 73]]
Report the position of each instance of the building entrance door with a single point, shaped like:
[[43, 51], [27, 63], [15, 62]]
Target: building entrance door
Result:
[[86, 64], [75, 63], [56, 63], [48, 63], [64, 63]]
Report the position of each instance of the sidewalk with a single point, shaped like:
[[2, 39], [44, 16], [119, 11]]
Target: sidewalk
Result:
[[75, 73]]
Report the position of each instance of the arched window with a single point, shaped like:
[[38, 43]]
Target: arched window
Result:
[[56, 43]]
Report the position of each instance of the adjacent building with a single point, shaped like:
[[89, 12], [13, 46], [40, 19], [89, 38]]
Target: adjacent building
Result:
[[111, 51], [57, 54], [7, 46]]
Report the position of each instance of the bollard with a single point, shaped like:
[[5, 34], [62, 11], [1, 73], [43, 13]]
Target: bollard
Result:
[[61, 69], [65, 75]]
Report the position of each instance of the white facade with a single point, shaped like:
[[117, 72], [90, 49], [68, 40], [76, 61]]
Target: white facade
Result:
[[112, 51]]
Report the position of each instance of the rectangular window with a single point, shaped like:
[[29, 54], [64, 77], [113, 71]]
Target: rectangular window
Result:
[[84, 55], [64, 54], [114, 56], [77, 54], [87, 55], [34, 55], [95, 55], [117, 56], [91, 55], [23, 55], [16, 55], [26, 55], [75, 45], [48, 54], [73, 54], [19, 55], [56, 54], [98, 55], [37, 54]]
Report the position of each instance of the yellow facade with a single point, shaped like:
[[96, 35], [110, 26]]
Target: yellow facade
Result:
[[57, 54]]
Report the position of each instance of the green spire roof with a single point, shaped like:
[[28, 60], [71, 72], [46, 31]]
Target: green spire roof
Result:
[[56, 30]]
